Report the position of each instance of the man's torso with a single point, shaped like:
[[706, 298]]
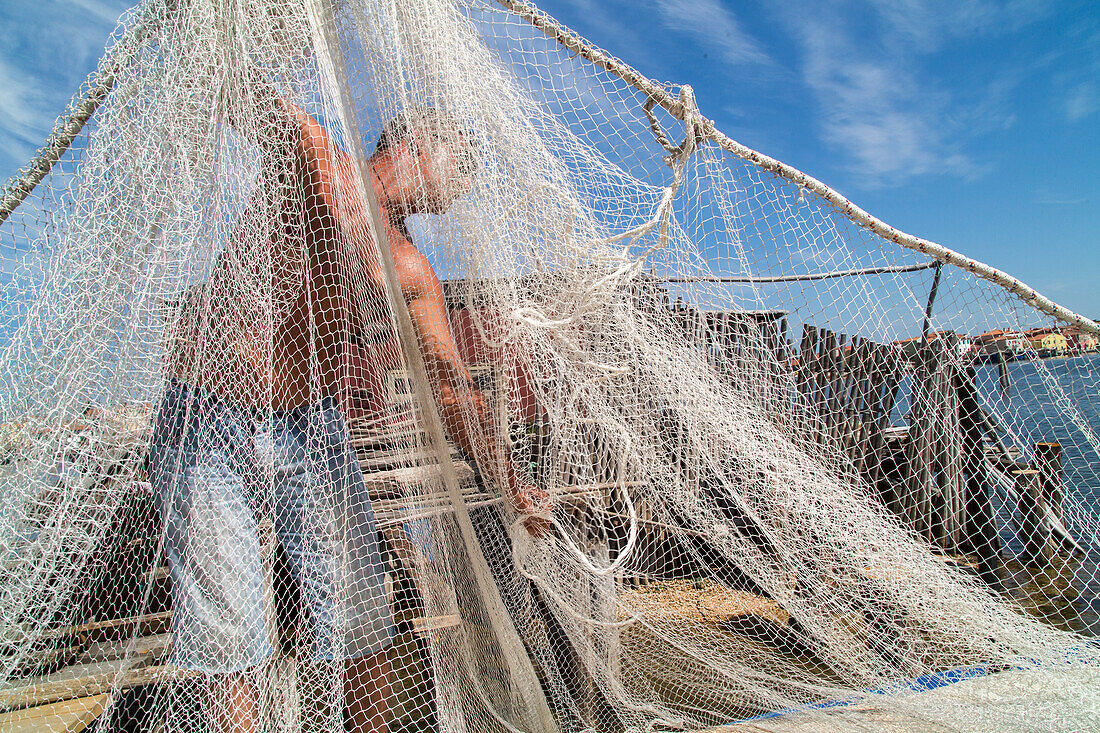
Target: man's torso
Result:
[[269, 326]]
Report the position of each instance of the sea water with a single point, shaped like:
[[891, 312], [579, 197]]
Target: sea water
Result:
[[1048, 400], [1057, 400]]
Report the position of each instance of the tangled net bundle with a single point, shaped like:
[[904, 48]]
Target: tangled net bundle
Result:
[[760, 501]]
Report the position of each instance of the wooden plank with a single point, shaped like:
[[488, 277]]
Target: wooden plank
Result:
[[857, 402], [1048, 461], [385, 438], [846, 373], [870, 403], [806, 358], [147, 649], [958, 459], [861, 411], [933, 507], [919, 448], [68, 716], [427, 624], [407, 481], [952, 474], [400, 459], [151, 623], [878, 412], [820, 386], [721, 340], [891, 366], [844, 387], [833, 362], [39, 660], [782, 346], [1003, 377], [980, 535], [953, 466], [84, 680], [936, 422]]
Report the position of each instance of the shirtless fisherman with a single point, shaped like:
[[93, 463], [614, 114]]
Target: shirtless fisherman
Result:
[[249, 430]]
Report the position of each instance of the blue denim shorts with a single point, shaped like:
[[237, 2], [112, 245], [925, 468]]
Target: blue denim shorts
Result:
[[220, 472]]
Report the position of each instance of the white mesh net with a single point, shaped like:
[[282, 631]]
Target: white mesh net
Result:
[[379, 365]]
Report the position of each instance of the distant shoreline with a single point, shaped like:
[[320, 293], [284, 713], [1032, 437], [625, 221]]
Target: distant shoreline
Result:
[[993, 360]]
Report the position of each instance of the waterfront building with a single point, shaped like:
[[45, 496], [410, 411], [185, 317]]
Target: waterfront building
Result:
[[1047, 342], [1079, 342], [1002, 343]]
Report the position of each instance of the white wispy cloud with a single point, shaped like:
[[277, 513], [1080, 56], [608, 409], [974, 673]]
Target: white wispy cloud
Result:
[[613, 24], [930, 23], [876, 109], [24, 106], [869, 69], [1051, 201], [104, 11], [47, 48], [605, 25], [1082, 102], [713, 25]]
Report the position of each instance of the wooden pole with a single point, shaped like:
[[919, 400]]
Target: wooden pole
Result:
[[917, 500], [1048, 461], [1034, 529], [931, 302], [955, 457], [891, 366], [1002, 375], [979, 535]]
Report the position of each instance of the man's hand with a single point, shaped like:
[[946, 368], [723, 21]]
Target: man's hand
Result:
[[533, 506]]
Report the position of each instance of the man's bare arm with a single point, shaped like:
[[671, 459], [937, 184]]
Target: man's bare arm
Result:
[[462, 406], [294, 145]]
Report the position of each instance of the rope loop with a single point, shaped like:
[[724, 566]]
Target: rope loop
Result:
[[658, 132], [693, 125]]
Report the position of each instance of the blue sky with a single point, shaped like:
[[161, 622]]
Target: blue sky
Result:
[[973, 123]]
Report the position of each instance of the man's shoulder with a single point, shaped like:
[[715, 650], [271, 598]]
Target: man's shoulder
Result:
[[413, 268]]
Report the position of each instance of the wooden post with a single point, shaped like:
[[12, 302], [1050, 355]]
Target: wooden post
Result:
[[1002, 375], [891, 369], [953, 457], [834, 379], [861, 416], [808, 371], [948, 471], [979, 526], [1048, 461], [1034, 530], [919, 450], [782, 350]]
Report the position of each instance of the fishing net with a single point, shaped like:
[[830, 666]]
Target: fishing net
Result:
[[418, 366]]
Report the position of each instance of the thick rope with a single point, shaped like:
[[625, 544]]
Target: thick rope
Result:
[[98, 84], [20, 186], [661, 96]]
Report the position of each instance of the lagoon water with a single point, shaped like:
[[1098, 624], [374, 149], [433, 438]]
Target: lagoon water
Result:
[[1034, 409]]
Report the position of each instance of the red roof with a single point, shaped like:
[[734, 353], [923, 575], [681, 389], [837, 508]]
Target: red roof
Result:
[[998, 334], [931, 337]]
